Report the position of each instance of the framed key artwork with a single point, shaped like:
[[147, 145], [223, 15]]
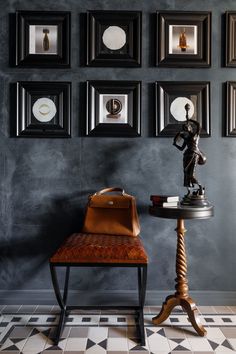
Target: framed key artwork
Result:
[[113, 108]]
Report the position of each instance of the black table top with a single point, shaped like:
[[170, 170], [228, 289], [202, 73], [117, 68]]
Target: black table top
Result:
[[182, 212]]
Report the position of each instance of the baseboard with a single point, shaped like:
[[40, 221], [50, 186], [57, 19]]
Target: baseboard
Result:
[[153, 298]]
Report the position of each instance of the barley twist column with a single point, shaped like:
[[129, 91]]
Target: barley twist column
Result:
[[181, 262]]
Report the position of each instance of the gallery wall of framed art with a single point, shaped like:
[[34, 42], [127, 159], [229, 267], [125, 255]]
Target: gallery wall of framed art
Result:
[[114, 39]]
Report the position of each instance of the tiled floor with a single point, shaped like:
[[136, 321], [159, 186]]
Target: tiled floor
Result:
[[30, 329]]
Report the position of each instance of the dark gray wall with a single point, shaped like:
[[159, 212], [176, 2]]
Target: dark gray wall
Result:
[[45, 182]]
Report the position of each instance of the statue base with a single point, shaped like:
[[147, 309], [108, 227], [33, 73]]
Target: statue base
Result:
[[113, 116], [196, 199]]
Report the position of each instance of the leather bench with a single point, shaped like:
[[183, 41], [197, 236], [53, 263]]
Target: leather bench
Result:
[[96, 250]]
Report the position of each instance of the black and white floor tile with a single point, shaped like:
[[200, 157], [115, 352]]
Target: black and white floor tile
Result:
[[30, 329]]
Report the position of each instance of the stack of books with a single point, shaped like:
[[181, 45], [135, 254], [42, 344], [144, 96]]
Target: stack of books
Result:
[[165, 201]]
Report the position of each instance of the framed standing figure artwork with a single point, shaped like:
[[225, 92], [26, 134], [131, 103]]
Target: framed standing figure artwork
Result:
[[43, 39], [113, 108], [183, 39], [114, 38], [43, 109], [170, 101]]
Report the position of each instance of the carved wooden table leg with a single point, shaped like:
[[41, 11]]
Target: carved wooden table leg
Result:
[[181, 296]]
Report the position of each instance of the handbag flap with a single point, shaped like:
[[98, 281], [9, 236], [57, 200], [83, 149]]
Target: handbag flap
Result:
[[109, 201]]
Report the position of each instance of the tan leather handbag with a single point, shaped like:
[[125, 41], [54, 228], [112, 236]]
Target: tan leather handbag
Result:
[[112, 214]]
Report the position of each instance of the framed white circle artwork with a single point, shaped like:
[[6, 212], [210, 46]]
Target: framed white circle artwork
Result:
[[114, 37], [44, 109], [177, 108]]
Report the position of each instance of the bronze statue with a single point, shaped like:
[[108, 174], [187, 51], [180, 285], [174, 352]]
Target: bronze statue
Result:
[[190, 135]]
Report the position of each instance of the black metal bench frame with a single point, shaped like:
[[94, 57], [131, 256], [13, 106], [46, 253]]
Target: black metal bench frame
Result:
[[62, 296]]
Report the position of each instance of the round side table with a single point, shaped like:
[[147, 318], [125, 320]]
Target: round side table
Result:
[[181, 296]]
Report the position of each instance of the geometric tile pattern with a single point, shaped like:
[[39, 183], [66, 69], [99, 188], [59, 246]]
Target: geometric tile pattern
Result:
[[30, 329]]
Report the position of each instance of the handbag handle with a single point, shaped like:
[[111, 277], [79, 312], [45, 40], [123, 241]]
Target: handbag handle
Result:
[[108, 190]]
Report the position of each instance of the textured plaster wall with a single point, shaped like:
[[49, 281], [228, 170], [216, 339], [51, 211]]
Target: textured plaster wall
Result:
[[44, 183]]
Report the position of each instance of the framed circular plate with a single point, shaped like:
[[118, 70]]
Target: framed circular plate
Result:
[[44, 109], [114, 37], [177, 108]]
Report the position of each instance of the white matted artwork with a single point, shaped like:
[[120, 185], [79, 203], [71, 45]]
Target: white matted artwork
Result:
[[44, 109], [178, 111], [114, 37], [43, 39], [183, 39], [113, 109]]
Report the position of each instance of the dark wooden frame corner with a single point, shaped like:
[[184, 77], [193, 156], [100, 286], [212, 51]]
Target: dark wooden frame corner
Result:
[[132, 20], [23, 57], [164, 89], [230, 122], [230, 41], [26, 125], [133, 91], [202, 20]]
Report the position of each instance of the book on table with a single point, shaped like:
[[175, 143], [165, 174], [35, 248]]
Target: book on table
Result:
[[159, 199], [168, 204]]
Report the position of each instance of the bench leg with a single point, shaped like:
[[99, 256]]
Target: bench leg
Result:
[[60, 299], [142, 281]]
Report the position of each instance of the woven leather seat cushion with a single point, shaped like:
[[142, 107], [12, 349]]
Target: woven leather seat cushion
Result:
[[94, 248]]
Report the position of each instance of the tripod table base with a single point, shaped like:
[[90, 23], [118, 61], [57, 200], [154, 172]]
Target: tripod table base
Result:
[[187, 305]]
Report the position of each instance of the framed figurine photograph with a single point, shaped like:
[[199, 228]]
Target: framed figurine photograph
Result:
[[230, 55], [183, 39], [114, 38], [175, 101], [230, 122], [43, 39], [113, 108], [43, 109]]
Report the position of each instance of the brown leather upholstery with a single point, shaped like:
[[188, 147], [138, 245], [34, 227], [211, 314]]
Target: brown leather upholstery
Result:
[[94, 248]]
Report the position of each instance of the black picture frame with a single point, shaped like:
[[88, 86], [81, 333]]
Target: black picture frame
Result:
[[230, 45], [43, 109], [102, 26], [229, 125], [34, 46], [197, 93], [173, 30], [113, 108]]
